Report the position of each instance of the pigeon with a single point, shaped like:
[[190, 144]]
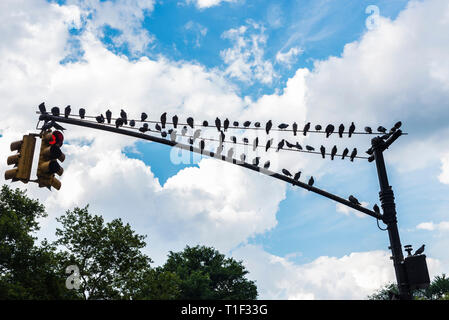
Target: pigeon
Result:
[[257, 124], [353, 154], [256, 161], [158, 127], [184, 130], [118, 122], [268, 126], [368, 130], [205, 123], [100, 118], [311, 181], [42, 108], [295, 128], [123, 116], [323, 151], [376, 208], [55, 111], [196, 134], [82, 113], [297, 175], [310, 148], [288, 144], [219, 149], [222, 137], [163, 134], [419, 251], [381, 129], [255, 143], [341, 129], [234, 139], [246, 124], [144, 128], [333, 152], [67, 111], [283, 126], [397, 125], [51, 124], [108, 115], [202, 145], [191, 141], [298, 146], [226, 124], [318, 127], [173, 135], [230, 153], [190, 122], [243, 157], [269, 142], [175, 121], [280, 145], [329, 130], [345, 153], [287, 173], [218, 124], [163, 119], [351, 129], [354, 200], [144, 116], [235, 123], [245, 140], [306, 128], [266, 164]]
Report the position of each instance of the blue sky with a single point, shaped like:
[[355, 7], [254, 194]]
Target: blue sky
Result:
[[318, 61]]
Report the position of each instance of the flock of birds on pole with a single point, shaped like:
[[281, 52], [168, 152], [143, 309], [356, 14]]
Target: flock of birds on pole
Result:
[[223, 126]]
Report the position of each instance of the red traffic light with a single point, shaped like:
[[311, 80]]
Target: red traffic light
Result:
[[57, 139]]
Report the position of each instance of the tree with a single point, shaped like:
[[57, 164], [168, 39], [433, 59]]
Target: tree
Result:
[[108, 255], [27, 271], [204, 273]]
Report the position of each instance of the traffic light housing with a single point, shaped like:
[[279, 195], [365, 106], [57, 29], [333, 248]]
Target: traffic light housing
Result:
[[22, 160], [50, 153]]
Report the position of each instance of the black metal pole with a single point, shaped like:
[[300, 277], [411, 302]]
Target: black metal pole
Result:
[[389, 215]]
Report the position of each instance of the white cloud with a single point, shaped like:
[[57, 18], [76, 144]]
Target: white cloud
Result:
[[204, 4], [444, 176], [431, 226], [347, 210], [245, 59], [288, 58]]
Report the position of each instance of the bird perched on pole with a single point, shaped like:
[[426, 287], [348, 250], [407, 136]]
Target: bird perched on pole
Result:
[[175, 121], [246, 124], [202, 145], [158, 127], [311, 181], [287, 173], [297, 176], [256, 161], [226, 124], [345, 153], [82, 113], [288, 144], [266, 164], [55, 111], [108, 116], [124, 116], [143, 116], [67, 111], [280, 145], [318, 127], [190, 122], [268, 126], [218, 123], [306, 128], [351, 129], [118, 122], [100, 118], [368, 130], [144, 128], [234, 139], [354, 200], [243, 157], [163, 119], [283, 126], [419, 251], [255, 143], [235, 123], [341, 129], [353, 154], [42, 108], [268, 145], [381, 129], [295, 128], [257, 124], [230, 153], [323, 151], [329, 130], [333, 152], [376, 208], [310, 148]]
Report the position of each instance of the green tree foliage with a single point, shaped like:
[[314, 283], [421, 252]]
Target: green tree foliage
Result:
[[204, 273], [437, 290], [27, 271]]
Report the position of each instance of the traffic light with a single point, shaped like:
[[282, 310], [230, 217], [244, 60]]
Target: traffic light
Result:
[[22, 160], [48, 166]]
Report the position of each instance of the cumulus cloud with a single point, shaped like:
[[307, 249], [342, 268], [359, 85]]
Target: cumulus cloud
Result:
[[431, 226], [204, 4], [289, 57], [444, 176]]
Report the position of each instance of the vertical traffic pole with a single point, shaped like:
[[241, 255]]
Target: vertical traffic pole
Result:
[[389, 218]]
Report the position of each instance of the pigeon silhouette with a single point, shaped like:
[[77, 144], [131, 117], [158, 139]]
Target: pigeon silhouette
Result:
[[205, 123], [108, 115], [256, 161], [345, 153], [173, 135], [243, 157], [266, 164], [42, 108], [118, 122], [55, 111], [268, 126], [297, 176], [381, 129], [298, 146], [219, 149], [310, 148], [323, 151], [329, 130], [257, 124], [245, 140], [283, 126], [190, 122], [286, 172], [341, 129], [67, 111], [246, 124], [144, 128], [184, 130], [353, 154], [82, 113], [143, 116], [222, 137], [100, 118], [419, 251], [235, 123], [351, 129], [268, 145], [230, 153], [196, 134], [280, 145], [295, 128], [163, 119], [124, 116], [397, 125], [354, 200], [288, 144], [376, 208], [306, 128], [202, 145], [158, 127], [368, 130], [255, 143], [234, 139], [311, 181], [218, 124], [226, 124], [333, 152], [318, 127], [175, 121]]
